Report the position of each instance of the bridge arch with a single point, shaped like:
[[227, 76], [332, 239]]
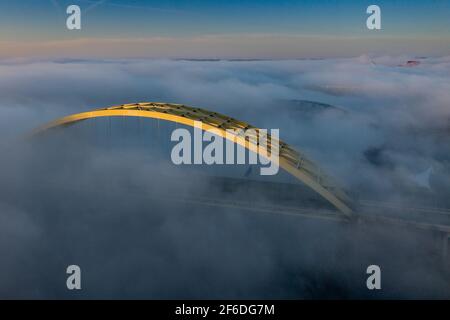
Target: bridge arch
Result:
[[292, 161]]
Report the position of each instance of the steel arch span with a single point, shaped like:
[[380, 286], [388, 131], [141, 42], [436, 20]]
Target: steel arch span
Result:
[[292, 161]]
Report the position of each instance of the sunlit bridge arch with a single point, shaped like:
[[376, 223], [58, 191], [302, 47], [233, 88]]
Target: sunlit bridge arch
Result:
[[291, 160]]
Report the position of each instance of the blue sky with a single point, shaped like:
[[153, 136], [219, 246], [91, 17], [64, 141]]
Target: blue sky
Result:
[[44, 20]]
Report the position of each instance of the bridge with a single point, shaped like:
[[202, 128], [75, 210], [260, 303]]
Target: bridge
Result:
[[294, 162]]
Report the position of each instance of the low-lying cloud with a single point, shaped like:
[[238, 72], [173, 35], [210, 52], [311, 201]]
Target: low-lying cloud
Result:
[[378, 127]]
